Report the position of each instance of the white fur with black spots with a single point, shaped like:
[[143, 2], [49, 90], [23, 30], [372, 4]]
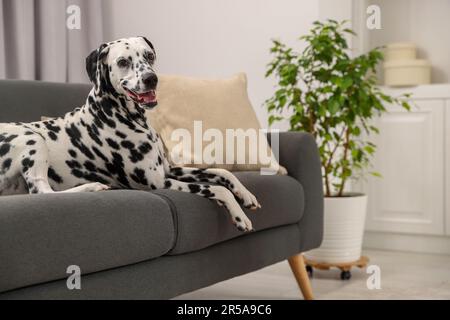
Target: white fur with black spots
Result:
[[107, 143]]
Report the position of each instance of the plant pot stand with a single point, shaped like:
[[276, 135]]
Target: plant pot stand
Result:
[[344, 267]]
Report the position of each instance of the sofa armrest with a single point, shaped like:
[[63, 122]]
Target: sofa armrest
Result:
[[299, 154], [41, 235]]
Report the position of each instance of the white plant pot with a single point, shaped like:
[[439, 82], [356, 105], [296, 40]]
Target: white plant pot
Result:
[[344, 219]]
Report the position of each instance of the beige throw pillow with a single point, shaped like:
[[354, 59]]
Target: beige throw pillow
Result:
[[211, 124]]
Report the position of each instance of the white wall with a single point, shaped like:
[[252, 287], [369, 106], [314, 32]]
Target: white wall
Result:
[[214, 38], [425, 23], [336, 9]]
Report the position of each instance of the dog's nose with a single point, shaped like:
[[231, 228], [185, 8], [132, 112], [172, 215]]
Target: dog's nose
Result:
[[150, 80]]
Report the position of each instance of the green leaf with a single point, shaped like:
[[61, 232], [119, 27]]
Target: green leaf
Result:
[[333, 106], [406, 105], [346, 83], [376, 174], [299, 108], [350, 31], [280, 92], [273, 118], [369, 149], [385, 98], [374, 129]]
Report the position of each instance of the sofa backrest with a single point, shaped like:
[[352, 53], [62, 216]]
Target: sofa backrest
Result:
[[26, 101]]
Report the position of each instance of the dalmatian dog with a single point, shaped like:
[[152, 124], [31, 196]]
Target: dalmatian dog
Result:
[[107, 143]]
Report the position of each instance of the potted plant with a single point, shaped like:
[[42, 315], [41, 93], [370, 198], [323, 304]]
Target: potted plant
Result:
[[333, 96]]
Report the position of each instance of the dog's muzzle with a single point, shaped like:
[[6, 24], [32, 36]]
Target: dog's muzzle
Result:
[[145, 99]]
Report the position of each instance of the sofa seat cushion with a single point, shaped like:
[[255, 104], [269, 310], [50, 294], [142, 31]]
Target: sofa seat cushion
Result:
[[41, 235], [200, 222]]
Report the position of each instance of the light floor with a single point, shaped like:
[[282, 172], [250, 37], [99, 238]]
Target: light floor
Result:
[[403, 276]]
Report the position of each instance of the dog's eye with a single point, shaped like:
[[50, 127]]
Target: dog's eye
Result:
[[123, 63]]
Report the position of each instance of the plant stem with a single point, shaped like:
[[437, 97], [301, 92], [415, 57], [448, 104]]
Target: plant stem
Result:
[[327, 165], [327, 182], [344, 165], [311, 123]]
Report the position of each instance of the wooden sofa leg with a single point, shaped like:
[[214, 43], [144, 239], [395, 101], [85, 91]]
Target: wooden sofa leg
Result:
[[297, 264]]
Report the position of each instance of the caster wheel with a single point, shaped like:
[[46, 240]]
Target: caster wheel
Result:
[[309, 270], [346, 275]]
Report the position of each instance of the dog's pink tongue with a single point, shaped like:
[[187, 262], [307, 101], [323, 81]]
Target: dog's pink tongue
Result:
[[148, 97]]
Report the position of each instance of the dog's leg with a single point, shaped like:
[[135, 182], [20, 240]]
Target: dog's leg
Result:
[[35, 172], [35, 166], [217, 193], [88, 187], [219, 176]]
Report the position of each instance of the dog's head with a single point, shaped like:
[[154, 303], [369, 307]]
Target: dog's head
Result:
[[125, 67]]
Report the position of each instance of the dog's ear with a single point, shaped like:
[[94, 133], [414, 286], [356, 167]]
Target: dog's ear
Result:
[[103, 51], [91, 65], [93, 59], [149, 43]]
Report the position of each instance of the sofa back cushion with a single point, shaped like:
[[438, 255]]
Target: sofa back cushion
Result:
[[27, 101]]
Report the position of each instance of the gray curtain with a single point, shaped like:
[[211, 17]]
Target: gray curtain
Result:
[[35, 43]]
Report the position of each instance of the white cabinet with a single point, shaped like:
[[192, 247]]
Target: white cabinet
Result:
[[409, 197], [413, 157]]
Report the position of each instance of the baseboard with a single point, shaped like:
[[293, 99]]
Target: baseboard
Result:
[[406, 242]]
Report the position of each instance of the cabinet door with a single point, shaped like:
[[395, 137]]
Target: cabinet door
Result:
[[410, 196]]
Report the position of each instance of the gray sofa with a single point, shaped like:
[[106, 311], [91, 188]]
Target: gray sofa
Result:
[[148, 245]]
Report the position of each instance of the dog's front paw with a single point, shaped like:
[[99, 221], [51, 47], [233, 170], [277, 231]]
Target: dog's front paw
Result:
[[96, 186], [242, 223], [248, 199]]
